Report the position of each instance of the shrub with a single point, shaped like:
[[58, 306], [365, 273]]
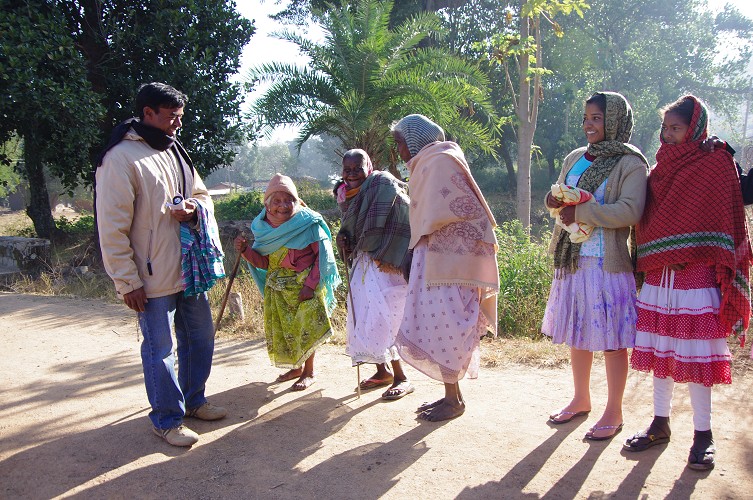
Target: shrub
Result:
[[525, 275], [239, 206], [83, 226]]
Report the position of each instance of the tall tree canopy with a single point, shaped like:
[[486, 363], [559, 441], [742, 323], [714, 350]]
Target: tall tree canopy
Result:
[[365, 75], [75, 65], [652, 55]]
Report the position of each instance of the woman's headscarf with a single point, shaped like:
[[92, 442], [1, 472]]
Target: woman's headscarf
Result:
[[618, 127], [418, 131], [281, 184]]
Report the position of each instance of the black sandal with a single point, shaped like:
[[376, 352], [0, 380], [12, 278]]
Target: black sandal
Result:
[[657, 433], [702, 452]]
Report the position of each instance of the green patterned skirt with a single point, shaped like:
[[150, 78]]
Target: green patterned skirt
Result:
[[294, 329]]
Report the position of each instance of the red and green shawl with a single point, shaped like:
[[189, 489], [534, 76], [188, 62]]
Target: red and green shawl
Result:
[[694, 213]]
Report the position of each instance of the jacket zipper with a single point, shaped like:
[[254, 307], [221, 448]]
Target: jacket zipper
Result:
[[149, 254]]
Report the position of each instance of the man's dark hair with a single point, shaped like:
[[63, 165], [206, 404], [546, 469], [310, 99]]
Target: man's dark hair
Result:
[[156, 95]]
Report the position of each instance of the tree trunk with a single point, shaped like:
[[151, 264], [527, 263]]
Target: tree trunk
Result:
[[39, 202], [525, 141], [509, 165]]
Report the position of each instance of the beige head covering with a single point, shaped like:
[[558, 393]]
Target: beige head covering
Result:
[[282, 183]]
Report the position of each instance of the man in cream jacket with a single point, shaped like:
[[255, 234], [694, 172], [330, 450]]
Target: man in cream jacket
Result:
[[143, 172]]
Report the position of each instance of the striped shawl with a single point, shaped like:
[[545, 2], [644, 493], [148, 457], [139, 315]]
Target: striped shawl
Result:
[[376, 219]]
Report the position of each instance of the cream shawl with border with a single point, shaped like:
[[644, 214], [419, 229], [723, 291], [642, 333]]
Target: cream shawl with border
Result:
[[448, 208]]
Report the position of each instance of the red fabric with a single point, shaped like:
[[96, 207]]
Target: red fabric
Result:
[[692, 193], [297, 260], [703, 372]]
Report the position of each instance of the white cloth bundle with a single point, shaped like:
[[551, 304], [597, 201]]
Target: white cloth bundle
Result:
[[571, 195]]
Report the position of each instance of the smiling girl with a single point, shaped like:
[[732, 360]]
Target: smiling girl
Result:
[[591, 304], [374, 238], [293, 264], [693, 246]]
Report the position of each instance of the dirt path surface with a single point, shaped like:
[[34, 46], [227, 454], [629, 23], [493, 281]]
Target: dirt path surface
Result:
[[73, 423]]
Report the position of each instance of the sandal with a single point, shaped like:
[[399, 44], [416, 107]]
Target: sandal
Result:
[[373, 383], [657, 433], [572, 414], [590, 434], [399, 391], [702, 452]]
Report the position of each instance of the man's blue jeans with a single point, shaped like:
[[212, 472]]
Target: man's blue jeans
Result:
[[169, 395]]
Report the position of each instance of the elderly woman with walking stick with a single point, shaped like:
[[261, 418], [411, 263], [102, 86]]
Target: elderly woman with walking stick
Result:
[[373, 240]]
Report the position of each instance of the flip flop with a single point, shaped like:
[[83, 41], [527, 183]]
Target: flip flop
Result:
[[573, 414], [373, 383], [403, 389], [590, 436]]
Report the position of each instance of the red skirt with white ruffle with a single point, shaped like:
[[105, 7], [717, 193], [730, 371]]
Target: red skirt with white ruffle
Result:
[[679, 334]]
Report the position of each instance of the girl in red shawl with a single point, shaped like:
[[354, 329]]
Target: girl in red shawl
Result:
[[693, 247]]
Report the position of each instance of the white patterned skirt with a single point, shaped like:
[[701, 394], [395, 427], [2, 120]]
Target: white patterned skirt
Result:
[[376, 312], [679, 331], [591, 309], [442, 326]]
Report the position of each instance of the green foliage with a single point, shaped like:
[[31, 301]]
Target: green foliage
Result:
[[525, 275], [246, 206], [83, 226], [365, 76], [316, 197], [242, 206]]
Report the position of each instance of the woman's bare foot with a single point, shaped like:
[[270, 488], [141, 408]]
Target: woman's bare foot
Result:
[[429, 406], [443, 411], [303, 383], [290, 375]]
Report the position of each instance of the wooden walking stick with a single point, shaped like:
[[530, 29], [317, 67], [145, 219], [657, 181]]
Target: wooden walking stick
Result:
[[353, 313], [227, 291]]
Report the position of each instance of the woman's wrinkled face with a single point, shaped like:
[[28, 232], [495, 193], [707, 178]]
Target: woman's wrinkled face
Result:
[[281, 206], [402, 146], [673, 128], [593, 123], [354, 172]]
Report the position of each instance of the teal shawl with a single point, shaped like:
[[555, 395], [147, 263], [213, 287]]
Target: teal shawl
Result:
[[303, 229]]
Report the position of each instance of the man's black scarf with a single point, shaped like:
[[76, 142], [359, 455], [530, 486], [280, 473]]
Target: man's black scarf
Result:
[[153, 136]]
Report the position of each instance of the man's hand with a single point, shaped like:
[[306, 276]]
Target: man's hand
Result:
[[306, 293], [186, 215], [136, 299]]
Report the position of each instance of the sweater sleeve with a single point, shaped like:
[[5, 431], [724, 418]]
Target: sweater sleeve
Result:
[[312, 280], [116, 194], [627, 209], [255, 258]]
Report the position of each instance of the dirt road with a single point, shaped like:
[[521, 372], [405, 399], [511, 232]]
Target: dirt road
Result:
[[73, 424]]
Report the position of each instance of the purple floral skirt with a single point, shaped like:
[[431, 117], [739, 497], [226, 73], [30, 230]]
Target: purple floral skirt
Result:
[[591, 309]]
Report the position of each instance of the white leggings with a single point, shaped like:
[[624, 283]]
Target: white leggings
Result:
[[700, 400]]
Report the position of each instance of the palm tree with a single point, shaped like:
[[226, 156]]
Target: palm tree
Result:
[[364, 76]]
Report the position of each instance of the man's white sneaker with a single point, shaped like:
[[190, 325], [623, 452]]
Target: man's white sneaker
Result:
[[178, 436], [207, 411]]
